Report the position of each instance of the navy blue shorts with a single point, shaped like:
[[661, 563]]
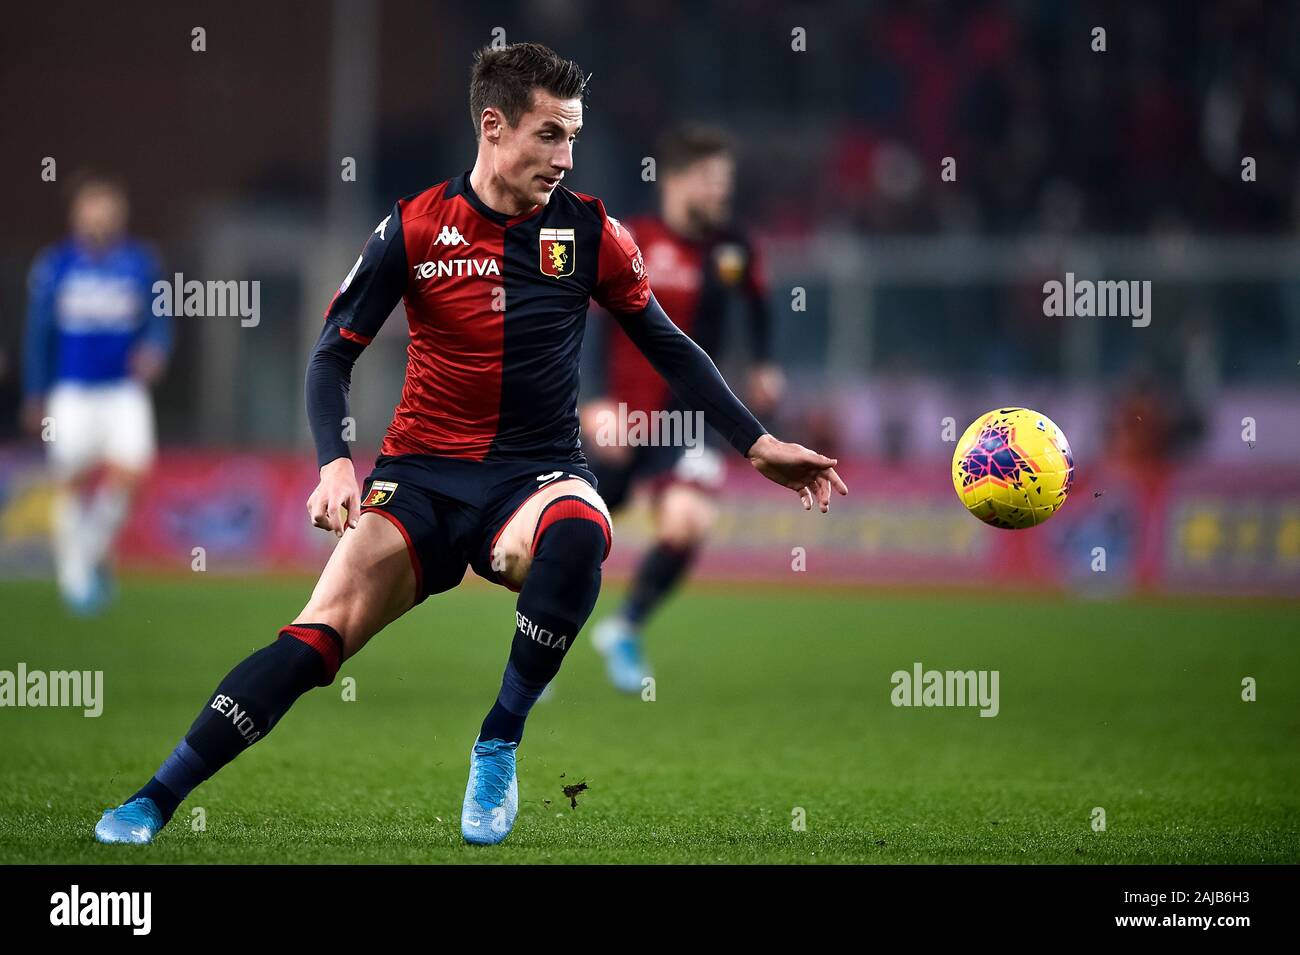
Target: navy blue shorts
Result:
[[450, 510]]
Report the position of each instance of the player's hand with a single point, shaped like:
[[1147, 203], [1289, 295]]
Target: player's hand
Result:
[[794, 466], [595, 417], [33, 415], [335, 504], [766, 388], [147, 363]]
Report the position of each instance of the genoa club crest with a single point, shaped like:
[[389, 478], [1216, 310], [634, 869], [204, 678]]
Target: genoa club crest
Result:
[[557, 252], [381, 492]]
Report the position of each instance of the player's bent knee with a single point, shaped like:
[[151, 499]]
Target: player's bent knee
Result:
[[576, 528], [516, 548], [322, 638], [348, 621], [686, 517]]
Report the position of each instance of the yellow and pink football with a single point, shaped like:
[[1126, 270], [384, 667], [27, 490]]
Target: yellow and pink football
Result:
[[1013, 468]]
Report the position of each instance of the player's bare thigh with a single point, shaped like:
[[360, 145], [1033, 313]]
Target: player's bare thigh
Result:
[[367, 584], [512, 555], [684, 514]]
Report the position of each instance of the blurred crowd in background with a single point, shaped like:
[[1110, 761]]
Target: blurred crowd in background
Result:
[[842, 141], [1050, 134]]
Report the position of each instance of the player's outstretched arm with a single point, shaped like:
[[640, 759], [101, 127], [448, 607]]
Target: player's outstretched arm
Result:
[[695, 379]]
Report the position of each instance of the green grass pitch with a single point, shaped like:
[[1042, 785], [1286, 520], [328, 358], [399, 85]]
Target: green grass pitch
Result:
[[767, 701]]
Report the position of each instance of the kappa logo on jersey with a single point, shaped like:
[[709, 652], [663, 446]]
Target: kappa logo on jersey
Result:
[[557, 252], [450, 235], [381, 492]]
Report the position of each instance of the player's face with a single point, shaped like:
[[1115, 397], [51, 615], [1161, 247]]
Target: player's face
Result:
[[532, 157], [98, 215], [707, 185]]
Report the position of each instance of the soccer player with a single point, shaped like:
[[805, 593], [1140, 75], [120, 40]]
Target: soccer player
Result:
[[697, 263], [93, 347], [481, 465]]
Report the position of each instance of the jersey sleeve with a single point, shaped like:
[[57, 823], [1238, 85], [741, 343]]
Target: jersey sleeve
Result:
[[358, 310], [621, 282], [155, 329], [375, 284]]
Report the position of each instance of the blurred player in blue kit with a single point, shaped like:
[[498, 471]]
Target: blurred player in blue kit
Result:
[[93, 348]]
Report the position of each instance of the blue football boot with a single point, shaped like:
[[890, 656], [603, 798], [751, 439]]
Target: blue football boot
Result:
[[492, 794], [135, 822], [620, 644], [97, 596]]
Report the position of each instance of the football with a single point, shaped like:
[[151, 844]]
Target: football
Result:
[[1013, 468]]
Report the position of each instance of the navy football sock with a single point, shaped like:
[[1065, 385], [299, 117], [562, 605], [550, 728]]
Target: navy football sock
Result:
[[554, 604], [179, 773], [245, 707], [660, 572]]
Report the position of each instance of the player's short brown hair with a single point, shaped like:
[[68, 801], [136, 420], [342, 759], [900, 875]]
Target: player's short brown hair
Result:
[[506, 77], [691, 142]]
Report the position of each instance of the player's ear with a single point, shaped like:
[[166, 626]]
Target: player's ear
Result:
[[490, 125]]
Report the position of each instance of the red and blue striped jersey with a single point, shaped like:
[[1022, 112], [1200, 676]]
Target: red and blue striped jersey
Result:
[[496, 307]]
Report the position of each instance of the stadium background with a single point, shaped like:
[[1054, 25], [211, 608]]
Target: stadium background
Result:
[[923, 297], [923, 303]]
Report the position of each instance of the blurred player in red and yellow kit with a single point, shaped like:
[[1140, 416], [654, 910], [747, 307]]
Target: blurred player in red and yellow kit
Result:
[[700, 264]]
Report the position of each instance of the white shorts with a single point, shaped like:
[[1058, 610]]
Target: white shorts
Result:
[[98, 424], [704, 468]]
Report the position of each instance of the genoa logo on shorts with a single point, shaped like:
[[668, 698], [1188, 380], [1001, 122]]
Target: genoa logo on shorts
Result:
[[381, 492]]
